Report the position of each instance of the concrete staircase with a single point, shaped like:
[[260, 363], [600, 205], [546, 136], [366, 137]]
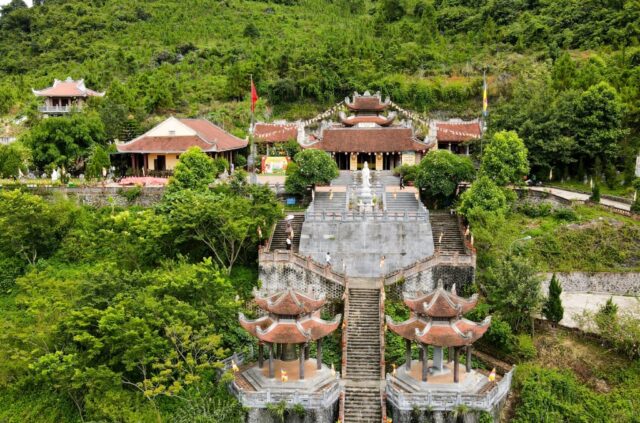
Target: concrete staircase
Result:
[[324, 201], [362, 396], [279, 239], [446, 233], [403, 201]]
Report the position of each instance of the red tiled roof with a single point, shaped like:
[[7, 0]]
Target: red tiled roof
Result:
[[458, 131], [272, 132], [454, 333], [407, 329], [367, 103], [67, 88], [209, 138], [369, 140], [441, 303], [289, 303], [379, 120], [290, 331]]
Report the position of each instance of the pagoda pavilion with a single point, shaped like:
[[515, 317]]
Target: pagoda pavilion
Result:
[[370, 134], [436, 320], [63, 95], [291, 323]]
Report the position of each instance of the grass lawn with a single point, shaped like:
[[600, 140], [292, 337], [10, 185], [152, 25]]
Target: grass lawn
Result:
[[626, 192], [587, 239]]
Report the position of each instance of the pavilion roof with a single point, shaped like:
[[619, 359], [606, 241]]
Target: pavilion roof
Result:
[[202, 134], [274, 132], [375, 119], [367, 102], [290, 331], [409, 327], [67, 88], [369, 140], [452, 333], [289, 302], [458, 131], [441, 303]]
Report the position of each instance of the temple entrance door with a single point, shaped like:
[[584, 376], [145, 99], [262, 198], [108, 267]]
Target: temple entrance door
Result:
[[342, 160], [391, 161], [367, 157]]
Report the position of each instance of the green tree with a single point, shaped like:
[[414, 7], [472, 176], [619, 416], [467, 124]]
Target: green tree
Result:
[[595, 193], [552, 308], [513, 288], [505, 159], [13, 159], [98, 161], [30, 228], [439, 174], [484, 197], [563, 72], [65, 141], [312, 167], [391, 10], [195, 171]]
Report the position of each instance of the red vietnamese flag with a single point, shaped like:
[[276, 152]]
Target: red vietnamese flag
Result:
[[254, 96]]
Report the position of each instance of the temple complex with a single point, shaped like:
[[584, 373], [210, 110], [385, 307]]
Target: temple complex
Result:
[[366, 128], [62, 96], [290, 325]]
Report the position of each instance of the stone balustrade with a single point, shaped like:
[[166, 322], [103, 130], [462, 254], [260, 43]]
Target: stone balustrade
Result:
[[309, 400], [448, 401]]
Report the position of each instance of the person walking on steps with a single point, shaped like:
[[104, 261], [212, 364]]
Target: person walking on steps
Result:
[[327, 259], [288, 242], [401, 182]]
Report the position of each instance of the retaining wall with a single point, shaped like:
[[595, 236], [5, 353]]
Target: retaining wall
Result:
[[601, 282]]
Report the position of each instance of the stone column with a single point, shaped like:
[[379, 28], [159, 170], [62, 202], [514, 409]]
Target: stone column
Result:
[[456, 374], [437, 358], [407, 343], [272, 371], [319, 354], [260, 355], [468, 358], [301, 352], [425, 362]]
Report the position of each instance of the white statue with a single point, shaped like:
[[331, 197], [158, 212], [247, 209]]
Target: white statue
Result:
[[366, 177], [55, 175]]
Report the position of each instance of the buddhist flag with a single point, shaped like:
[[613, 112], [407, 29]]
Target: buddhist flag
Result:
[[254, 96], [485, 100]]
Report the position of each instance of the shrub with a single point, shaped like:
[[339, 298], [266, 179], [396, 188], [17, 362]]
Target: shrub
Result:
[[241, 161], [535, 210], [131, 194], [565, 213], [408, 172], [524, 348]]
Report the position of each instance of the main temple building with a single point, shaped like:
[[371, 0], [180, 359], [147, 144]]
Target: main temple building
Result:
[[370, 129]]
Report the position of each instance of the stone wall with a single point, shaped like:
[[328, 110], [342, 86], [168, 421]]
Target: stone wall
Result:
[[602, 282], [427, 280], [275, 277], [538, 197]]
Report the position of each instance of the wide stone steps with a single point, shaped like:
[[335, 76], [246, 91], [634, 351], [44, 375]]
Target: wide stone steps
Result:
[[404, 201], [279, 239], [325, 201], [362, 404], [446, 233]]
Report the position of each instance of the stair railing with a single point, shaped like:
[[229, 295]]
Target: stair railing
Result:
[[273, 231], [345, 323]]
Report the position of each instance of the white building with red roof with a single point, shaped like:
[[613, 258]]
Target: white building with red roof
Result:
[[62, 96], [159, 149]]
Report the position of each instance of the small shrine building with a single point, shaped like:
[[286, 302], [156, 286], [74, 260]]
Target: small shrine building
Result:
[[62, 96]]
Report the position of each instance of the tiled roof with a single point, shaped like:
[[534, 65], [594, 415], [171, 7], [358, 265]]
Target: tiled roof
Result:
[[458, 131], [378, 120], [289, 303], [273, 132], [67, 88], [454, 333], [407, 329], [369, 140], [367, 103], [290, 331], [209, 138], [213, 134], [441, 303]]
